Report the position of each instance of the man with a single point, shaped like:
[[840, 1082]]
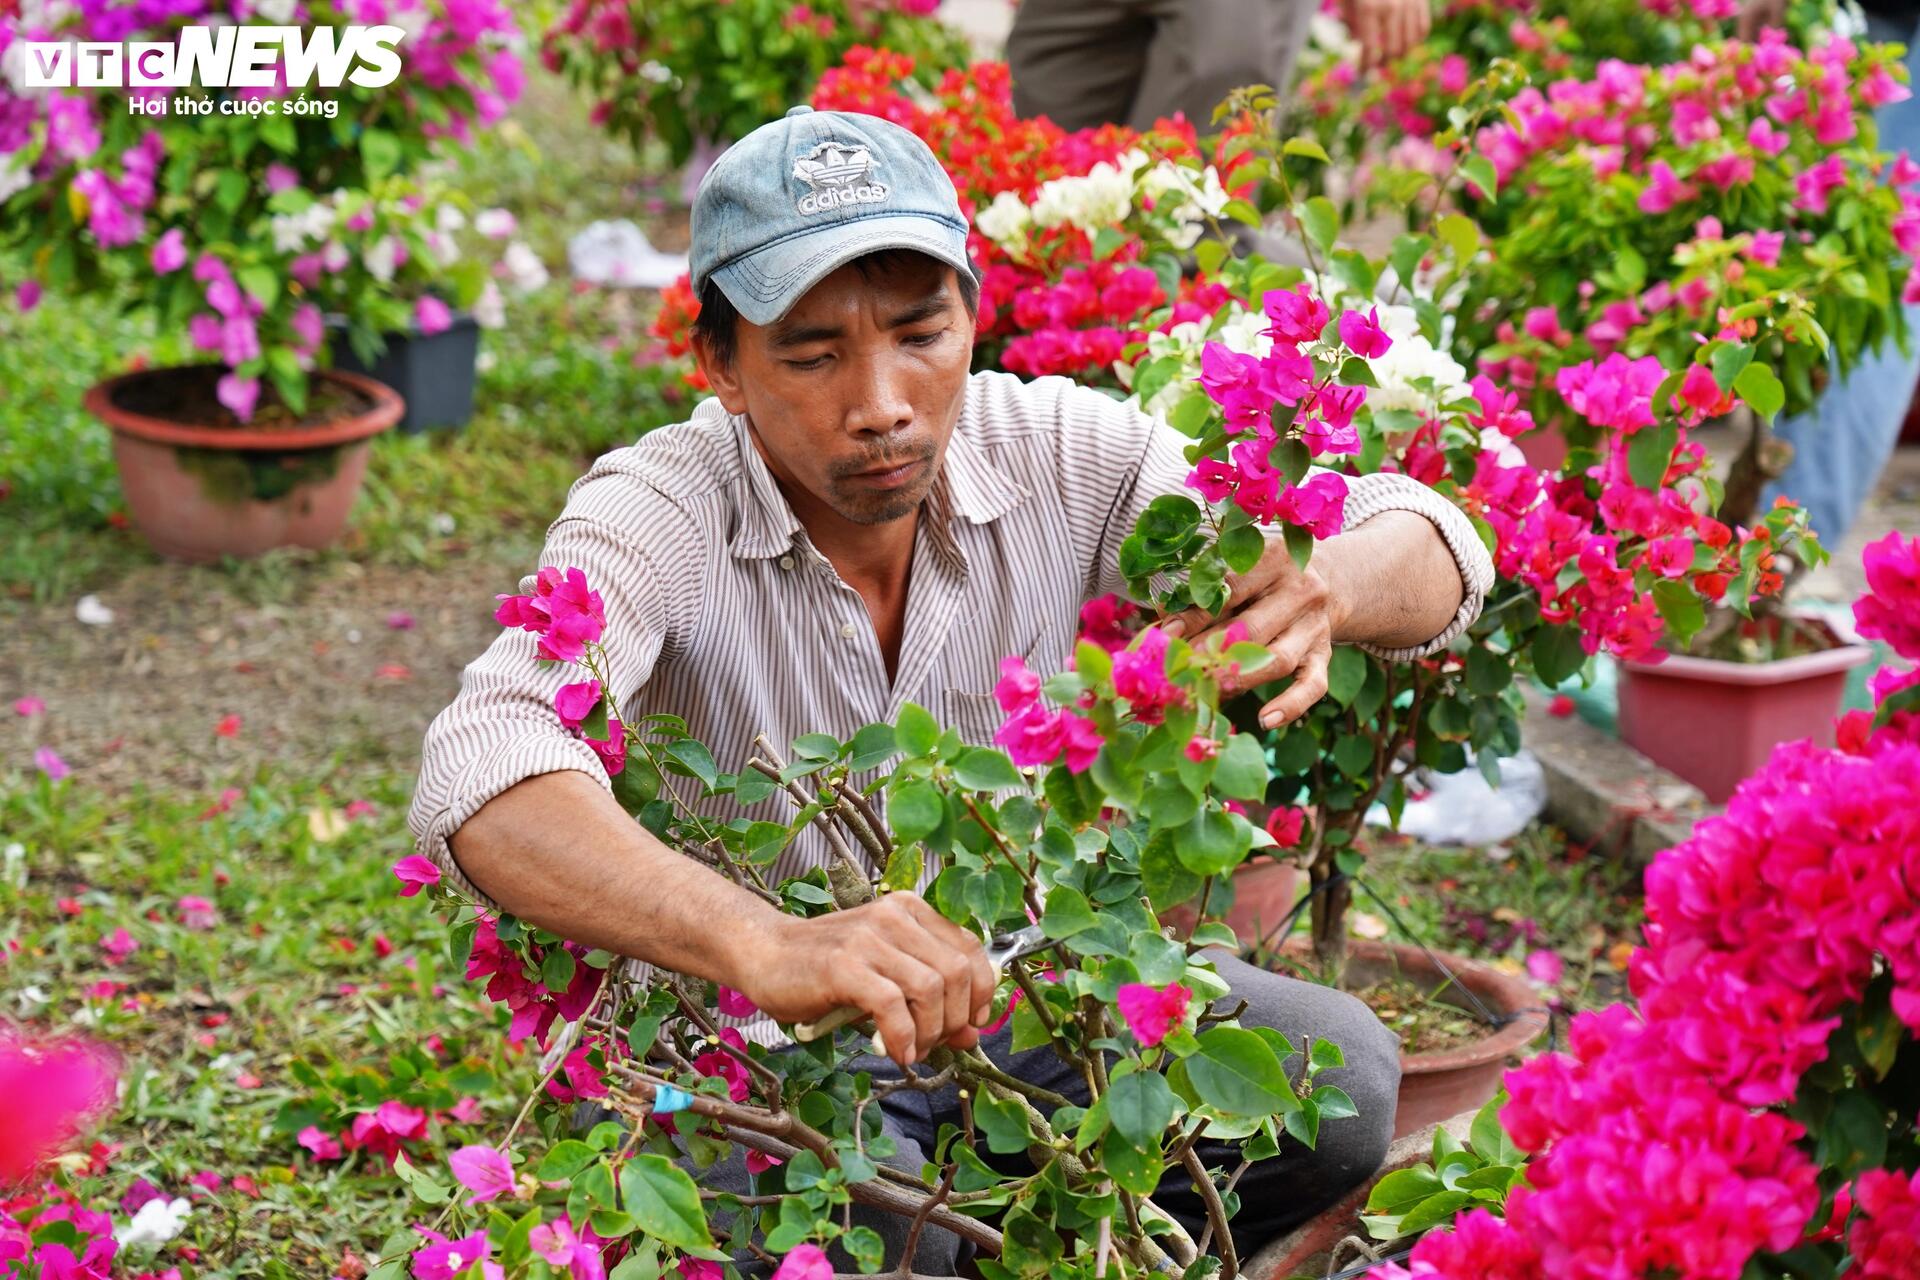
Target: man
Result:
[[1082, 63], [852, 523]]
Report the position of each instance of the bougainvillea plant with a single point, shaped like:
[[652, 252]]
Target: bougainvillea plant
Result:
[[186, 216], [688, 72], [1778, 997], [1344, 362]]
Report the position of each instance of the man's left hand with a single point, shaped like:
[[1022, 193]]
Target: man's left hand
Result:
[[1292, 612]]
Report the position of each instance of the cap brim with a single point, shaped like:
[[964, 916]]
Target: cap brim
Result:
[[764, 285]]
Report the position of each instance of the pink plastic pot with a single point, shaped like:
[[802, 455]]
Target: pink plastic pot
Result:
[[1714, 722]]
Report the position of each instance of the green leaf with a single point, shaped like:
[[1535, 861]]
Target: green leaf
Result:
[[1487, 671], [1165, 878], [904, 868], [1321, 221], [1346, 672], [1353, 753], [916, 810], [1242, 546], [1299, 545], [1241, 770], [1234, 1071], [694, 759], [556, 971], [1458, 233], [1729, 362], [379, 151], [664, 1201], [1242, 212], [1854, 1136], [1481, 175], [1067, 913], [1680, 607], [816, 746], [1488, 1138], [1214, 842], [1003, 1122], [260, 281], [916, 731], [1649, 452], [1140, 1107], [565, 1160], [1760, 387], [1107, 242], [1191, 415], [1434, 1211], [985, 769], [1557, 654], [1305, 147], [1134, 1169]]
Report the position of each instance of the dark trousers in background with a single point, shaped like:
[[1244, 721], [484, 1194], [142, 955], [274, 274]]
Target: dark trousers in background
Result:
[[1089, 62]]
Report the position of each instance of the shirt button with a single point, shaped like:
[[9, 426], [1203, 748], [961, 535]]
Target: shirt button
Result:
[[786, 562], [847, 630]]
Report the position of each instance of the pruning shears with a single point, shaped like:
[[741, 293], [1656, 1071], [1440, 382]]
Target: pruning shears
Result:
[[1002, 950]]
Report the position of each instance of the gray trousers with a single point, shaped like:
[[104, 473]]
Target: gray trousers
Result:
[[1276, 1195], [1088, 62]]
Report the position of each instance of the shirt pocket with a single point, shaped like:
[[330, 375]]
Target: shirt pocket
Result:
[[975, 712]]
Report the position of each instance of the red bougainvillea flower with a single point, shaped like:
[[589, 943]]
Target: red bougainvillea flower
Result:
[[415, 873], [228, 727], [483, 1170], [1152, 1012], [54, 1089], [735, 1005], [1885, 1240], [1286, 825]]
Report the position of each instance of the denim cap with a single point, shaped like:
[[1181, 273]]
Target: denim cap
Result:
[[806, 194]]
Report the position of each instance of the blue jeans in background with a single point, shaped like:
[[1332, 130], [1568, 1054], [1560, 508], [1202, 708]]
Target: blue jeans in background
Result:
[[1842, 444]]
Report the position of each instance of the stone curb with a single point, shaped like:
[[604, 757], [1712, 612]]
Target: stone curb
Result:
[[1603, 792], [1306, 1250]]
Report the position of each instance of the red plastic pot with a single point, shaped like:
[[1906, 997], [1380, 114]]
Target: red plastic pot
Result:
[[192, 490], [1437, 1086], [1714, 723], [1263, 892]]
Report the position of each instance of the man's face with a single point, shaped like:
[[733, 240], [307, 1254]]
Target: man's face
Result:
[[854, 393]]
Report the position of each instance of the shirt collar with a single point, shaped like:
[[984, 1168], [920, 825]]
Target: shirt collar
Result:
[[970, 487]]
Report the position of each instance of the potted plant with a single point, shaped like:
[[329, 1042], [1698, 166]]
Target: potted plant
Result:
[[208, 223], [1611, 560], [1696, 218], [694, 75], [432, 283]]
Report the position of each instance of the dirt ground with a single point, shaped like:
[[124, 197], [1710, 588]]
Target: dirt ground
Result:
[[140, 700]]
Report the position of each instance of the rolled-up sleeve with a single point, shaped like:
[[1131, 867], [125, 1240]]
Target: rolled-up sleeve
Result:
[[1146, 459], [502, 727]]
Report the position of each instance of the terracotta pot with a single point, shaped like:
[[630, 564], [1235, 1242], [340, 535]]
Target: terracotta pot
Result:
[[1263, 892], [1436, 1086], [194, 491], [1715, 722]]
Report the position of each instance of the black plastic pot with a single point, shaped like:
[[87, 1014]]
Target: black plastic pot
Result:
[[435, 374]]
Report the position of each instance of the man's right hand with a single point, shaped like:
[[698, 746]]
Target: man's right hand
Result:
[[923, 979]]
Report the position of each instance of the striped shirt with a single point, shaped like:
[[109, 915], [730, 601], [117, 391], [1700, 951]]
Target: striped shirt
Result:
[[720, 610]]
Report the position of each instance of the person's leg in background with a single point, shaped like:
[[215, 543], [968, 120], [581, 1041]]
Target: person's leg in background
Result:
[[1204, 49], [1842, 444], [1078, 62]]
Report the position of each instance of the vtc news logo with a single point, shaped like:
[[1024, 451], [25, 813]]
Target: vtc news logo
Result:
[[240, 57]]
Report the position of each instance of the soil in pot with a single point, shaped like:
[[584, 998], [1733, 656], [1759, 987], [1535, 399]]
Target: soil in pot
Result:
[[188, 396], [1455, 1062]]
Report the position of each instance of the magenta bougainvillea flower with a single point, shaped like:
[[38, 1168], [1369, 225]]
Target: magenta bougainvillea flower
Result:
[[1152, 1012]]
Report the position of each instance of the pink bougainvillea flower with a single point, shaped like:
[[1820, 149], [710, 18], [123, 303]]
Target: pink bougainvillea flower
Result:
[[197, 913], [26, 295], [54, 1089], [1202, 747], [357, 809], [444, 1259], [228, 727], [385, 1128], [735, 1005], [1545, 967], [432, 316], [806, 1262], [1363, 335], [723, 1065], [238, 394], [169, 252], [320, 1144], [483, 1170], [466, 1111], [700, 1268], [560, 1245], [1152, 1012], [117, 946], [1018, 688], [1317, 505], [414, 873], [400, 620], [574, 701], [222, 805], [1890, 610], [1103, 621], [1286, 825], [1140, 676], [48, 761], [1295, 316], [29, 707], [759, 1162]]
